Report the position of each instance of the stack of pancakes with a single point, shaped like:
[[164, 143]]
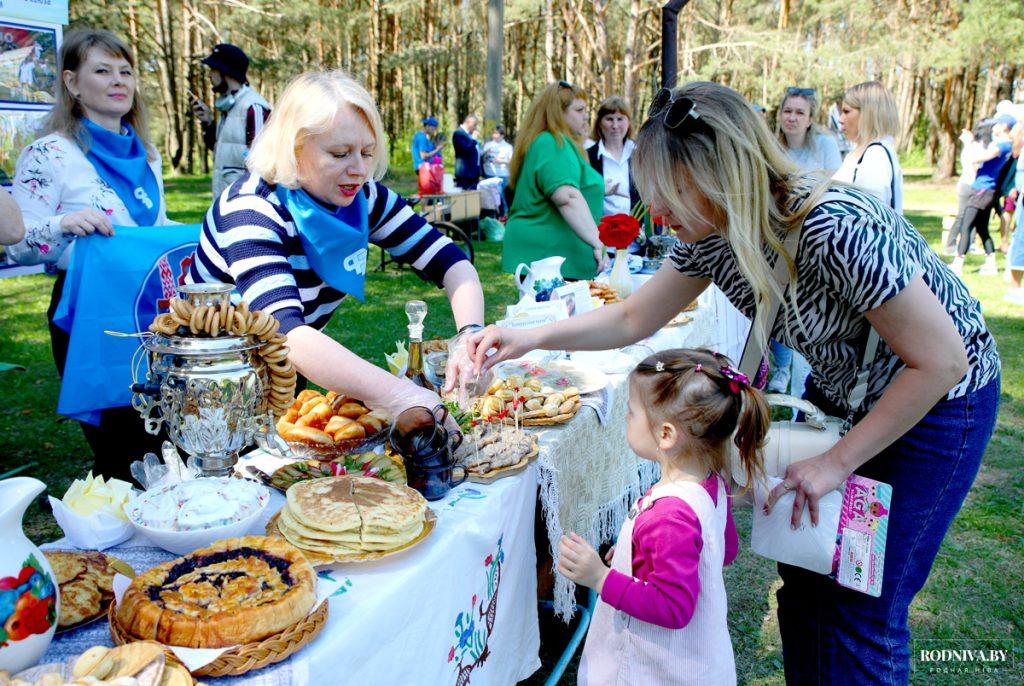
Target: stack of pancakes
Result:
[[350, 515]]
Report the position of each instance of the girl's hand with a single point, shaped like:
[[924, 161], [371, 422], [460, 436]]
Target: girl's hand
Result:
[[609, 555], [578, 561], [810, 479], [85, 222], [601, 257], [508, 344]]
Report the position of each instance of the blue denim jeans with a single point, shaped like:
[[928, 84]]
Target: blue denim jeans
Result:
[[832, 635], [789, 370]]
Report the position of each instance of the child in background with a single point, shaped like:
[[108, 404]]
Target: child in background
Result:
[[661, 618]]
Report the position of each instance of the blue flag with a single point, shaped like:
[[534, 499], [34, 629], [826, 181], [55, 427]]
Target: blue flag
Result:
[[118, 283]]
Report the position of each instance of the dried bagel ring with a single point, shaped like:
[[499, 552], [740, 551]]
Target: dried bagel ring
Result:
[[285, 368], [257, 321], [211, 314], [278, 338], [276, 356], [225, 321], [270, 329], [238, 323], [223, 309], [270, 349], [196, 321], [243, 307], [182, 308]]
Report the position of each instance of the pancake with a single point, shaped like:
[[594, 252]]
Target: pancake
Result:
[[66, 566], [287, 518], [343, 515], [79, 600], [324, 504]]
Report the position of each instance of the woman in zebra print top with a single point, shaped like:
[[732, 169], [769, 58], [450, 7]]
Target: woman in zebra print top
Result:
[[707, 163]]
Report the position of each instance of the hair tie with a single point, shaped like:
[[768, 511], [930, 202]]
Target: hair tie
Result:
[[737, 379], [699, 367], [659, 366]]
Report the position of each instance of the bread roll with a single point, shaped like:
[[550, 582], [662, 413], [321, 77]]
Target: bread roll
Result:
[[309, 436], [317, 417], [350, 432], [352, 410]]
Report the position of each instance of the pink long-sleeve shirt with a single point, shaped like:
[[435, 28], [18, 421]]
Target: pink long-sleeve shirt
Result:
[[667, 545]]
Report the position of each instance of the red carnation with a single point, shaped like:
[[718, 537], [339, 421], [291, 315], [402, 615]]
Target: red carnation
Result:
[[618, 230]]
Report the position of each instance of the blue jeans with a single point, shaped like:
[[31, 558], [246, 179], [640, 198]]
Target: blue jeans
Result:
[[833, 635], [789, 371]]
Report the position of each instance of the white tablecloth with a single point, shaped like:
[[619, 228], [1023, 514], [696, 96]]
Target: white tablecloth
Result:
[[459, 607]]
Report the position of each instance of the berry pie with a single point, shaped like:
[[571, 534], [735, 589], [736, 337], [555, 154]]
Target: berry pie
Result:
[[236, 591]]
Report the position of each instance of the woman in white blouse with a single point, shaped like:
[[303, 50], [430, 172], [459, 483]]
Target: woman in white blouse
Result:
[[610, 154], [93, 169], [870, 120]]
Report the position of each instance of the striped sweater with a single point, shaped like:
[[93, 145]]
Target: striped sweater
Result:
[[249, 239]]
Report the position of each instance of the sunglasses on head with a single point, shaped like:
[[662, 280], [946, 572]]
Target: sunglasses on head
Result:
[[793, 90], [566, 84], [676, 112]]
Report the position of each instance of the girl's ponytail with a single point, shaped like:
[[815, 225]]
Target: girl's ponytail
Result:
[[751, 431]]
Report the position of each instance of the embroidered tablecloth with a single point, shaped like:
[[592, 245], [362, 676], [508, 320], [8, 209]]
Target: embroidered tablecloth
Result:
[[459, 608]]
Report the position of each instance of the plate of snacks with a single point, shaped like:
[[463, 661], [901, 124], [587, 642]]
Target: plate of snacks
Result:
[[186, 515], [373, 465], [491, 451], [603, 292], [325, 426], [141, 663], [352, 519], [517, 400], [86, 582], [556, 375]]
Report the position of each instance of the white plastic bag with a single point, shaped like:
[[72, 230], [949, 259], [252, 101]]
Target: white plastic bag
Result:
[[810, 547]]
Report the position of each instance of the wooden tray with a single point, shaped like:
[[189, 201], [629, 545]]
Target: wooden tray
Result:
[[500, 473], [318, 559], [246, 658]]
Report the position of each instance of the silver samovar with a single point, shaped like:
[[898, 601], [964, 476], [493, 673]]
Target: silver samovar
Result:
[[210, 393]]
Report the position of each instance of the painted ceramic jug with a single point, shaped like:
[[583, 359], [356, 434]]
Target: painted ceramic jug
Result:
[[29, 601], [538, 279]]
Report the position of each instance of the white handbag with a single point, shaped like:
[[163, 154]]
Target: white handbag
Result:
[[790, 441]]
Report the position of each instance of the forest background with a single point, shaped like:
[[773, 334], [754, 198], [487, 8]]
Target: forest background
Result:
[[948, 62]]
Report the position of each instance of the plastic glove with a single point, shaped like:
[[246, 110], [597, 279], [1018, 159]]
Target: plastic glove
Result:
[[460, 372], [404, 394]]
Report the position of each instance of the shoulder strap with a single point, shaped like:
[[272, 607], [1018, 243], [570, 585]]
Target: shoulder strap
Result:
[[754, 353], [595, 159], [892, 169]]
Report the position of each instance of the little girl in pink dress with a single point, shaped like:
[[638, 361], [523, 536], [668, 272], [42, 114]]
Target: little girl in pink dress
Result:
[[661, 618]]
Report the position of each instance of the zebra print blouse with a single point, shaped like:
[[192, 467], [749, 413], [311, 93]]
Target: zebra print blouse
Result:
[[851, 261]]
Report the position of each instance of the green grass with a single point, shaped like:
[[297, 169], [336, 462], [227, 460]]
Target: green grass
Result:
[[974, 590]]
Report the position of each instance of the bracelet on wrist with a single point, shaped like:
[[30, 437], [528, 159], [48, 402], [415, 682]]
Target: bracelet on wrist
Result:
[[469, 328]]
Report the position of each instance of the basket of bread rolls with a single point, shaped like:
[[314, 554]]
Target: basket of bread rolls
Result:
[[325, 425]]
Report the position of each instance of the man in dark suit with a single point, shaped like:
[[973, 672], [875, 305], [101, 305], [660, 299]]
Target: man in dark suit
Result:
[[466, 141]]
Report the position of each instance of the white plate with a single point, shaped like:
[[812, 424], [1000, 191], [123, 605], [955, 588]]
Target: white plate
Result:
[[608, 361], [557, 374]]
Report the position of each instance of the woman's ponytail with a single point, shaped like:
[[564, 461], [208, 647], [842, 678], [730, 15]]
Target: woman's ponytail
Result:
[[751, 431]]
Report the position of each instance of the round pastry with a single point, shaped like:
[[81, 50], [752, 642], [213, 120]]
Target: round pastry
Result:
[[236, 591]]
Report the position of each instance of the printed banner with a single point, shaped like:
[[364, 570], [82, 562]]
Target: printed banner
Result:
[[49, 11], [28, 63]]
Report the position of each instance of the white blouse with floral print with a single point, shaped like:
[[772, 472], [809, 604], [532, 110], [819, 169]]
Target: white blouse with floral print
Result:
[[53, 178]]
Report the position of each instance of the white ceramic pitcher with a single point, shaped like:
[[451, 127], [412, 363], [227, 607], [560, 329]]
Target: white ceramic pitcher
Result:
[[538, 279], [29, 601]]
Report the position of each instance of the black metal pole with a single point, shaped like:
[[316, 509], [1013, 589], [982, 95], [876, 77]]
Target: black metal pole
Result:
[[669, 34]]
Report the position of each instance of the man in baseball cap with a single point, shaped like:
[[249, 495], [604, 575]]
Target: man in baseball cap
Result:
[[243, 113]]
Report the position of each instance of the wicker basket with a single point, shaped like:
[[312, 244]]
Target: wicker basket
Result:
[[246, 658]]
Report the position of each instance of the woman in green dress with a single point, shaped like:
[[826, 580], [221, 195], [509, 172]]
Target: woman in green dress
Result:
[[558, 195]]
